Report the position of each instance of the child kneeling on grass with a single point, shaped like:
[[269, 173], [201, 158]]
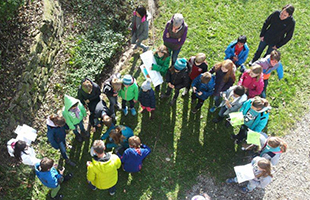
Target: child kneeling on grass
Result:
[[262, 172], [147, 98], [102, 170], [134, 155], [50, 177]]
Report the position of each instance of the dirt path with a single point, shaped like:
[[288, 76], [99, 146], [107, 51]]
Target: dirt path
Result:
[[291, 176]]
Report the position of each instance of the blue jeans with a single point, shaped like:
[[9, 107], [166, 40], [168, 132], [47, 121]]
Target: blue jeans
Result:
[[175, 54], [111, 190], [221, 112], [263, 94], [82, 129], [62, 148], [217, 100], [262, 45]]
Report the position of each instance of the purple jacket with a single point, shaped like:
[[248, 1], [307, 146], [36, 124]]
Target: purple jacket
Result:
[[173, 41]]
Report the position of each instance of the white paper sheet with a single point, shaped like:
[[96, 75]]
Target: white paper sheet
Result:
[[244, 172], [148, 59]]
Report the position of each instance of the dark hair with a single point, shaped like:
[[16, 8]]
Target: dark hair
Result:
[[116, 135], [259, 102], [289, 9], [275, 55], [163, 49], [205, 77], [46, 164], [242, 39], [99, 146], [142, 11], [239, 90], [58, 120], [19, 147]]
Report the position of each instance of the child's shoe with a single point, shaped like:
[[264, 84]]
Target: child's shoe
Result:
[[112, 193], [69, 162], [125, 111], [152, 115], [184, 92], [68, 177], [133, 111], [194, 111], [230, 180], [244, 190], [213, 109]]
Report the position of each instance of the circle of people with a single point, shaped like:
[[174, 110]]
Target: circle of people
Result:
[[248, 97]]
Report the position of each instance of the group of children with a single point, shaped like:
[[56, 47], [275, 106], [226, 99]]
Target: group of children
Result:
[[248, 96]]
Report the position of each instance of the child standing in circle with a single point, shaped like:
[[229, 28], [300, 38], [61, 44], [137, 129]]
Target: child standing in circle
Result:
[[147, 98], [252, 80], [129, 93], [139, 28]]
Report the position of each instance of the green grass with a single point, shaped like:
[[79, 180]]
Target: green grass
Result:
[[193, 143]]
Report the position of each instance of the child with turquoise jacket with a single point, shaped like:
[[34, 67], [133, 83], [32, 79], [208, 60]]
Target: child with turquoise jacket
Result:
[[129, 93], [74, 112]]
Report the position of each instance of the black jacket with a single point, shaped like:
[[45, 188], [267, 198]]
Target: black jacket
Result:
[[179, 80], [93, 97], [107, 86], [147, 99]]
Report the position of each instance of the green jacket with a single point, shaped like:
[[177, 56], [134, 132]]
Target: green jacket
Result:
[[132, 92], [69, 116], [162, 65], [103, 173]]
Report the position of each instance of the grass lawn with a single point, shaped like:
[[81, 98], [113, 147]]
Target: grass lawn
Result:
[[185, 145]]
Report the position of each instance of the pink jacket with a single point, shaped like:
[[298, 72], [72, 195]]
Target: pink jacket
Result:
[[254, 87]]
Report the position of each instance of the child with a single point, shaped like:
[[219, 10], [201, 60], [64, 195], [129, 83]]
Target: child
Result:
[[277, 30], [147, 98], [129, 93], [262, 172], [74, 112], [102, 170], [252, 80], [118, 138], [162, 58], [134, 155], [224, 79], [233, 98], [110, 88], [197, 65], [100, 111], [139, 28], [50, 177], [56, 134], [272, 148], [175, 35], [270, 63], [203, 87], [256, 114], [22, 152], [108, 122], [238, 51], [177, 78]]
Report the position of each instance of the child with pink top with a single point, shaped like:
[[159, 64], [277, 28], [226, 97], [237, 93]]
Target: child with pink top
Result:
[[252, 80]]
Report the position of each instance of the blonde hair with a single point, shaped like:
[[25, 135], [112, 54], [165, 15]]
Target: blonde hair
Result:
[[134, 141], [98, 146], [257, 69], [230, 66], [116, 135], [200, 57], [163, 49], [116, 84], [205, 77], [265, 165], [275, 142]]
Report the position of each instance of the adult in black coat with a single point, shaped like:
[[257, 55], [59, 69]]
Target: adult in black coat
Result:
[[89, 94]]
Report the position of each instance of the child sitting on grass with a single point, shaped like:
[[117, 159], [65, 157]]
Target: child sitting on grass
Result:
[[50, 177], [147, 98], [134, 155]]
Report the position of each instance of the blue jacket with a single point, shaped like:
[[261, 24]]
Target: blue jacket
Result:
[[132, 158], [206, 89], [49, 178], [56, 135], [147, 99], [261, 120], [126, 132], [230, 52]]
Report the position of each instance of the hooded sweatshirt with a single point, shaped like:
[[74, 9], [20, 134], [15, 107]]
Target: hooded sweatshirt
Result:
[[55, 134], [71, 117], [102, 172], [49, 178]]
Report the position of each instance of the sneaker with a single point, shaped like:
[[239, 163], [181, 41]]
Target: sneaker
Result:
[[172, 102], [68, 177], [244, 190], [125, 111], [242, 68], [133, 111], [69, 162], [58, 197], [157, 89], [213, 109], [194, 111], [250, 63], [112, 193], [230, 180], [185, 92]]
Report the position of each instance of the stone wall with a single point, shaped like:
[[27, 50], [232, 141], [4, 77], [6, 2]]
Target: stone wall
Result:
[[33, 85]]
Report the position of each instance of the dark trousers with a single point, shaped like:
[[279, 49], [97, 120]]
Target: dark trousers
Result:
[[131, 104], [263, 94], [243, 132], [200, 101], [111, 190], [262, 45], [176, 92]]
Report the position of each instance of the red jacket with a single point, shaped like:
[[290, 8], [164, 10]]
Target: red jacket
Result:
[[254, 87]]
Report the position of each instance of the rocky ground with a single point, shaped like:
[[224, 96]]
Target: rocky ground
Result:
[[291, 176]]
